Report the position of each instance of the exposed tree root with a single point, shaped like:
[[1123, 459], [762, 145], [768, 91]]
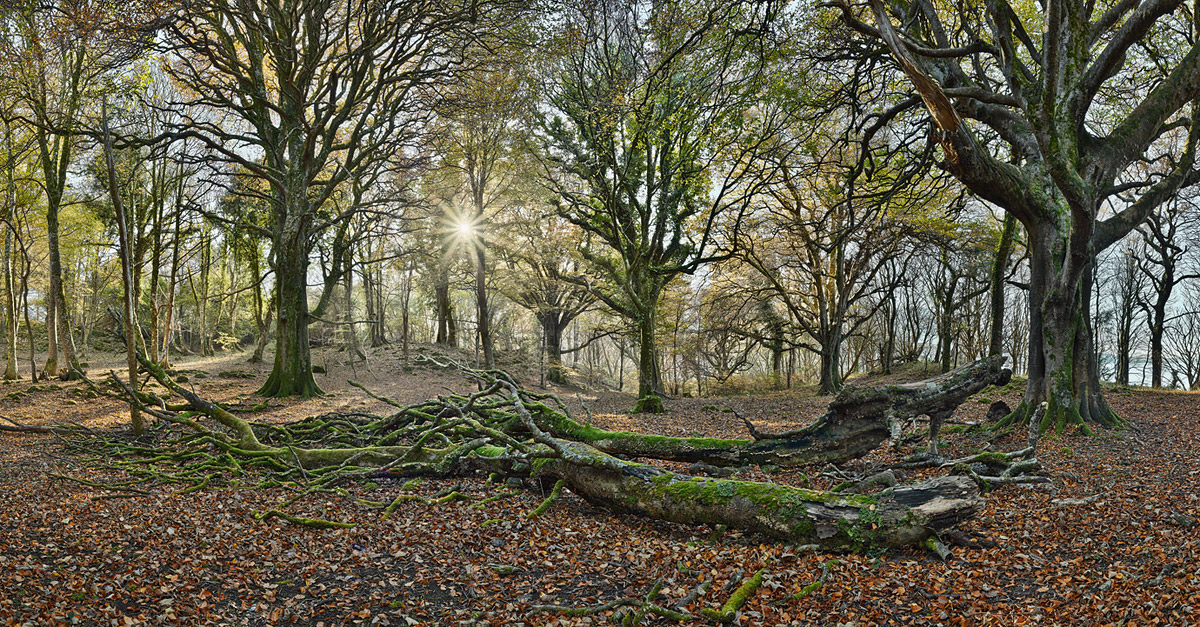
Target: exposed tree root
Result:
[[1092, 411]]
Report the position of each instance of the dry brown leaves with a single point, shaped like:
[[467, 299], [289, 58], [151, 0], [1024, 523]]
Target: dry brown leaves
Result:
[[75, 554]]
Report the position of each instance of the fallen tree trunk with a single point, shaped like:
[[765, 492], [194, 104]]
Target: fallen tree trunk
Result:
[[858, 421], [499, 429], [834, 521]]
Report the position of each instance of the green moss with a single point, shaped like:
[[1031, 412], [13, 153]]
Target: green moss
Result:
[[493, 499], [554, 494], [786, 501], [991, 458], [739, 598], [649, 404], [489, 451], [807, 590]]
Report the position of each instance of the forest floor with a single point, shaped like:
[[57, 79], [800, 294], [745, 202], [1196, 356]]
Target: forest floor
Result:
[[1125, 553]]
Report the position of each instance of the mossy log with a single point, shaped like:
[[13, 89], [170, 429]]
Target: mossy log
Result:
[[858, 421], [899, 516]]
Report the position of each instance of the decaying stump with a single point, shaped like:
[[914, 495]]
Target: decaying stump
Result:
[[508, 431]]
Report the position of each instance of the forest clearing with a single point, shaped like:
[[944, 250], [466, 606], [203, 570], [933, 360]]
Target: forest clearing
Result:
[[636, 312], [1111, 540]]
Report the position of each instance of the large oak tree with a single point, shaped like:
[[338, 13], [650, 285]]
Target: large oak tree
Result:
[[1054, 111], [310, 96]]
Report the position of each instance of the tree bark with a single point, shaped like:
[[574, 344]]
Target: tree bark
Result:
[[51, 367], [60, 333], [895, 517], [649, 383], [173, 280], [446, 328], [11, 371], [1063, 371], [552, 346], [831, 362], [1064, 175], [126, 251], [291, 373], [483, 313], [352, 344]]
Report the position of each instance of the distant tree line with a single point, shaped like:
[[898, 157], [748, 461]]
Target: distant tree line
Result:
[[682, 197]]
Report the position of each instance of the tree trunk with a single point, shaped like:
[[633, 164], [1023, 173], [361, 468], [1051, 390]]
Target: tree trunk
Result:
[[152, 346], [11, 371], [404, 326], [946, 324], [373, 299], [200, 293], [1063, 370], [900, 516], [889, 342], [129, 302], [1157, 325], [51, 367], [446, 328], [173, 281], [291, 374], [25, 271], [1125, 316], [483, 313], [552, 345], [649, 383], [264, 334], [831, 363], [62, 319], [262, 320], [10, 296], [352, 345]]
